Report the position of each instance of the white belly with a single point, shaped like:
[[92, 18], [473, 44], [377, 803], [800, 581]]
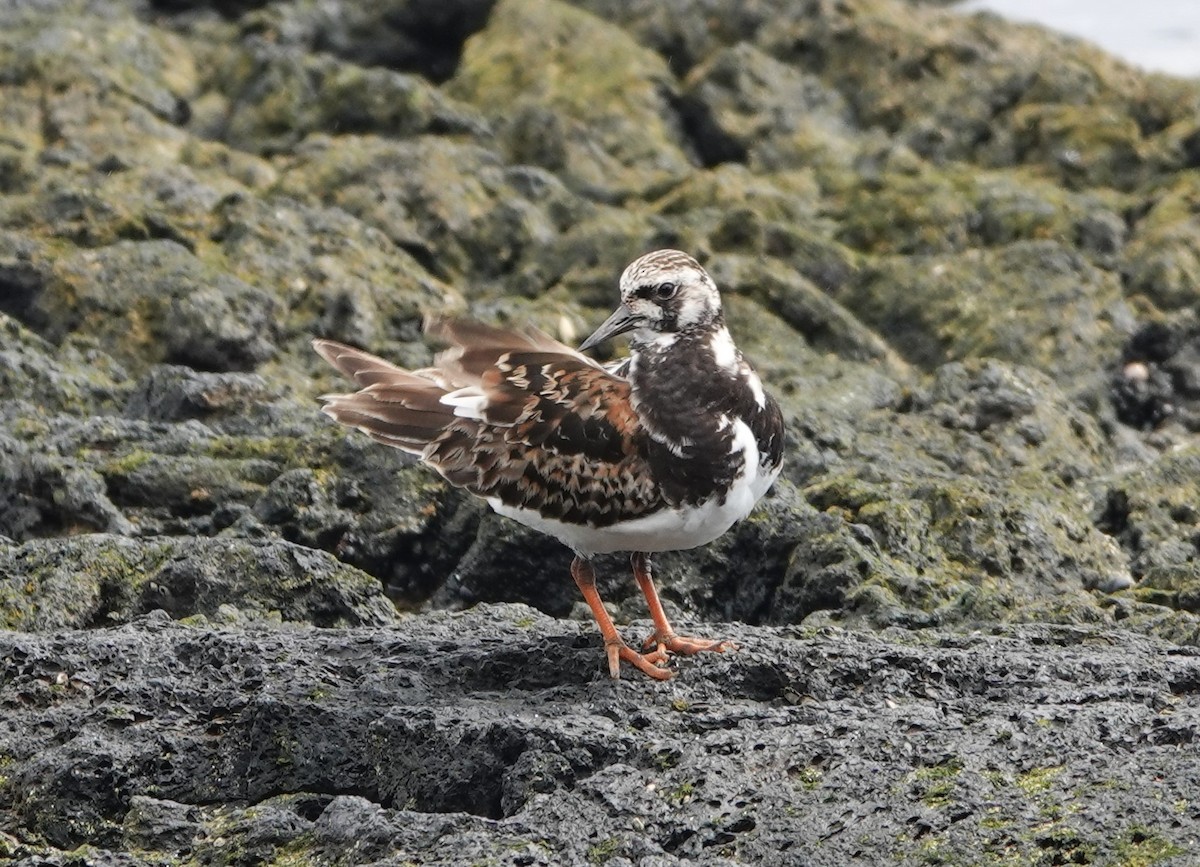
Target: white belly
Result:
[[670, 529]]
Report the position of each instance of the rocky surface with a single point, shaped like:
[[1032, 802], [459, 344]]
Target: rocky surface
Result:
[[964, 253], [410, 745]]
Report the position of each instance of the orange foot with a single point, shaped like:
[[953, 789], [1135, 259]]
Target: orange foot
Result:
[[647, 663], [669, 642]]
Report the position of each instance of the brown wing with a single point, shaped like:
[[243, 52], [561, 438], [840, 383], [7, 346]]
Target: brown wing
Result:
[[514, 415]]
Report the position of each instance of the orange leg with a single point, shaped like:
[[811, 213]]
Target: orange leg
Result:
[[614, 647], [664, 636]]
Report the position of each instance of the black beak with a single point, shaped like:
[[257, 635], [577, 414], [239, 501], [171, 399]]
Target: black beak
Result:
[[622, 320]]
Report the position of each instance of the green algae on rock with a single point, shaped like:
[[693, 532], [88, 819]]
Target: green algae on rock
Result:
[[98, 580], [599, 101]]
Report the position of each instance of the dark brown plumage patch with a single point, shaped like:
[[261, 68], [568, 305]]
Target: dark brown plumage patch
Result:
[[690, 453]]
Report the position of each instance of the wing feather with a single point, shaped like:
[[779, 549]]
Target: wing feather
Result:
[[509, 414]]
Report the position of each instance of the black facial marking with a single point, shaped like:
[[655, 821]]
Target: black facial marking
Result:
[[657, 292]]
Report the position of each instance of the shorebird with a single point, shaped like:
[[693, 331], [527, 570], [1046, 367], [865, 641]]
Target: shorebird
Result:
[[662, 451]]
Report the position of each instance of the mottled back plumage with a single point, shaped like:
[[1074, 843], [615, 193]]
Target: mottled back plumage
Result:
[[513, 415]]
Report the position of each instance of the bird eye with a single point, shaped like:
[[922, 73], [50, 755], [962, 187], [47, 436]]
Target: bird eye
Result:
[[663, 291]]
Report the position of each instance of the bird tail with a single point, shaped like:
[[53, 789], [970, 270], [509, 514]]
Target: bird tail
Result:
[[396, 407]]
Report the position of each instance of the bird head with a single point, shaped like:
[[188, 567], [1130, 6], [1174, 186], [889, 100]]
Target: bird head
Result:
[[664, 293]]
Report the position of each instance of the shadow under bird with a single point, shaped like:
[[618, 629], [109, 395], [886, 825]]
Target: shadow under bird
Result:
[[661, 451]]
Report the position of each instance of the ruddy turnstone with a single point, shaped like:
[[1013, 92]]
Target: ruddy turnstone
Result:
[[660, 452]]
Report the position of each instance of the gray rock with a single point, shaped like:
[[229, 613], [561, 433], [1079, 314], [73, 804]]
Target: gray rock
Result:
[[495, 734], [174, 394], [742, 105], [277, 95], [597, 103]]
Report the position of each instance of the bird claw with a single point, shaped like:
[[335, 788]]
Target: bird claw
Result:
[[686, 646], [648, 663]]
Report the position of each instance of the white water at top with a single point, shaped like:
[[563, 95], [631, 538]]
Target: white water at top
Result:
[[1159, 35]]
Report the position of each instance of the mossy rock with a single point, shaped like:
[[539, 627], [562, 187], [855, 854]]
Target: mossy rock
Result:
[[576, 95], [100, 580]]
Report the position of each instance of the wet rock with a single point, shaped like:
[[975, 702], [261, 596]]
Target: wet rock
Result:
[[494, 734]]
